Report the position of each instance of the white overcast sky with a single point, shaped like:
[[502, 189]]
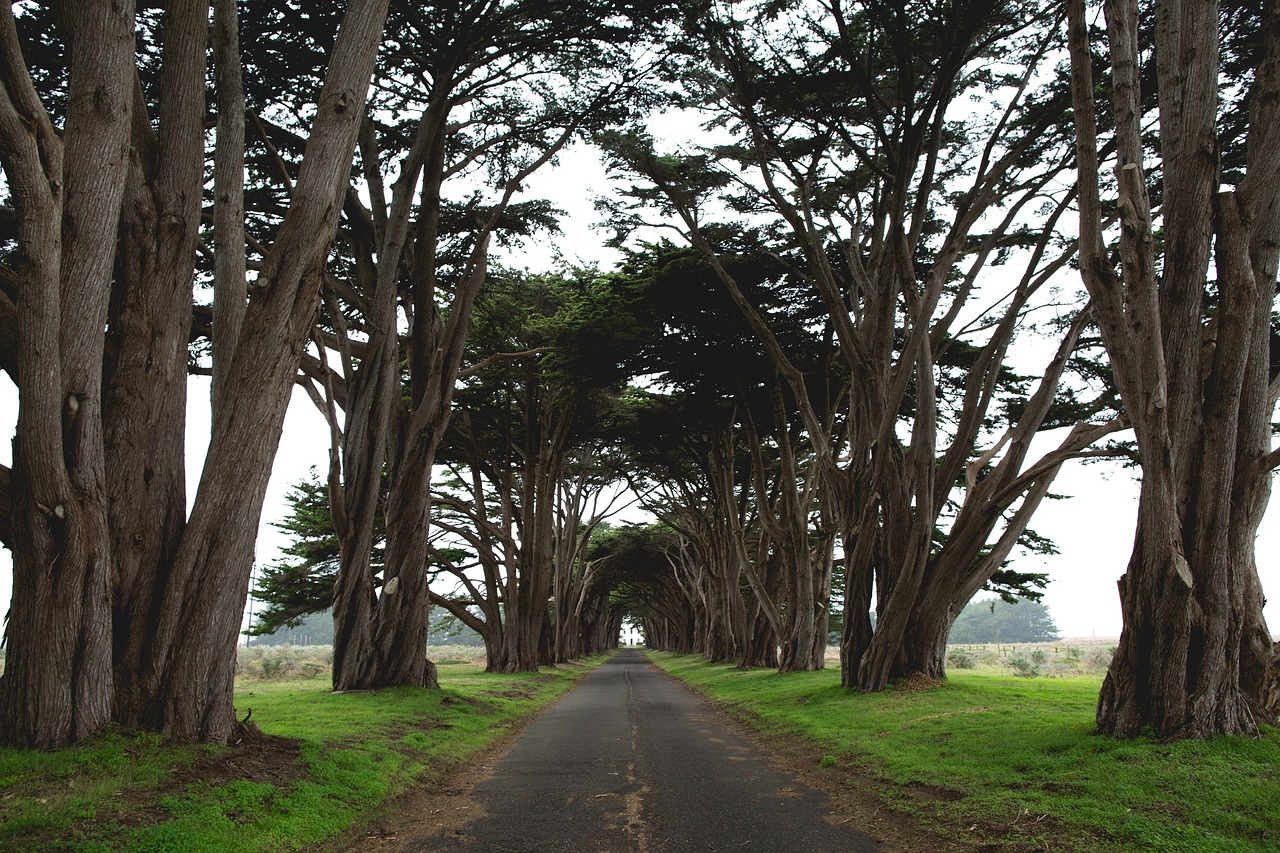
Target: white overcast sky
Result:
[[1093, 529]]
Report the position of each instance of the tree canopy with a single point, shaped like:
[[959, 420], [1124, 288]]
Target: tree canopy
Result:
[[909, 261]]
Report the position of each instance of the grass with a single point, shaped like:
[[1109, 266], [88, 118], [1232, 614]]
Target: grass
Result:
[[326, 763], [1013, 762]]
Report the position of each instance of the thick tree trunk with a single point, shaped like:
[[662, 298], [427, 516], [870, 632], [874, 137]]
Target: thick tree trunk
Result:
[[66, 193], [204, 598], [361, 628], [358, 492], [761, 648], [400, 640], [1189, 662], [145, 397]]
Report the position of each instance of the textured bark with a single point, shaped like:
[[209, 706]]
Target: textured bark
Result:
[[66, 195], [145, 398], [1192, 655], [206, 589], [230, 283], [371, 415]]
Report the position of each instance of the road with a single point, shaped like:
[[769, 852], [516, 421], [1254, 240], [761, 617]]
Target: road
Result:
[[632, 760]]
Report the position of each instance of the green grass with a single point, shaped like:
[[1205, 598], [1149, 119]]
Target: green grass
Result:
[[1013, 762], [347, 756]]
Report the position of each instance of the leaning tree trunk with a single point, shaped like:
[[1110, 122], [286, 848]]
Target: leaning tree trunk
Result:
[[1189, 659], [375, 403], [203, 599], [66, 195]]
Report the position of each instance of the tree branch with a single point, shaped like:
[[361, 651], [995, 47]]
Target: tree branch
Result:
[[504, 356]]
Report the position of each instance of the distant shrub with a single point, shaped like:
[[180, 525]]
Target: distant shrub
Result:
[[960, 659], [1100, 659], [1025, 667], [283, 663]]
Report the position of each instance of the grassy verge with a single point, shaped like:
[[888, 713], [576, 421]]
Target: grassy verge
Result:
[[1013, 762], [322, 764]]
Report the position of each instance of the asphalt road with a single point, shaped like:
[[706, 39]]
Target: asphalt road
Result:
[[631, 760]]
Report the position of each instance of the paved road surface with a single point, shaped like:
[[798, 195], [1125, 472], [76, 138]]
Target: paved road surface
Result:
[[631, 760]]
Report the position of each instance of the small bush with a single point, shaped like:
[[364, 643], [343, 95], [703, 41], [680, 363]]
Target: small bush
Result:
[[960, 659], [1024, 667], [1099, 659]]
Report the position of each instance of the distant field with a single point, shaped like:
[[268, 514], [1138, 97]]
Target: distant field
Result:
[[1070, 656], [284, 663]]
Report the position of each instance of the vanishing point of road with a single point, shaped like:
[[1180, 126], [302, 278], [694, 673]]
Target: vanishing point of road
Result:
[[632, 760]]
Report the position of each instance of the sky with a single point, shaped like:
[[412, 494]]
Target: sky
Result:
[[1092, 528]]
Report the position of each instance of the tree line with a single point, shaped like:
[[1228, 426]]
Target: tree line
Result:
[[802, 367]]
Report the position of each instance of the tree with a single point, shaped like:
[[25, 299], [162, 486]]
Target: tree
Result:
[[526, 449], [67, 185], [846, 162], [998, 621], [636, 565], [169, 574], [1184, 289], [301, 583], [504, 87], [759, 467]]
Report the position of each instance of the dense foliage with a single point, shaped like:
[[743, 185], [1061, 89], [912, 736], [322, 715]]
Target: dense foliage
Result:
[[997, 621]]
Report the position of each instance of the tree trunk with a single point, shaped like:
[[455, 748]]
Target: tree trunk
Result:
[[145, 398], [66, 194], [1190, 658], [194, 662], [400, 640], [362, 631]]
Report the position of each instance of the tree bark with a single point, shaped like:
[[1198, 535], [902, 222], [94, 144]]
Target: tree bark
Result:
[[57, 684], [145, 399], [205, 592], [1191, 658]]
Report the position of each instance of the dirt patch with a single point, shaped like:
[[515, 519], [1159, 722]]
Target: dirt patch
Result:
[[916, 682], [257, 757]]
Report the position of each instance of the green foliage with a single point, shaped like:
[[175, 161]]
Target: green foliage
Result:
[[997, 621], [350, 753], [1017, 761], [1028, 666], [634, 563], [301, 582]]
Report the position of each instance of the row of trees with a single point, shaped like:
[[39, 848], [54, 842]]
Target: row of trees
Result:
[[823, 414], [126, 606], [841, 160], [888, 217]]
